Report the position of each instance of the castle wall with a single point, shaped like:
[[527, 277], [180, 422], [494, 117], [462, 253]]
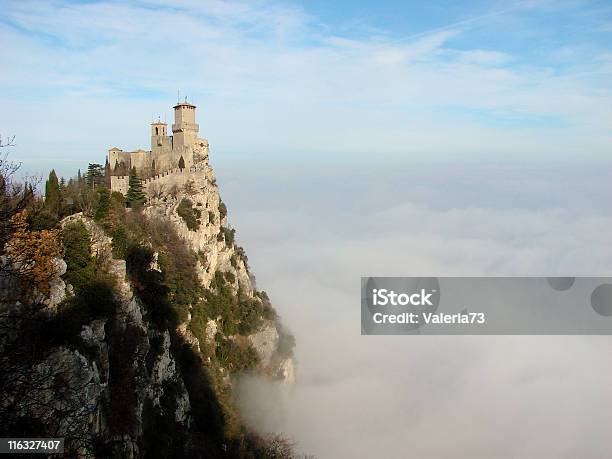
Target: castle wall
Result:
[[175, 177], [120, 184], [166, 180], [160, 146], [141, 160]]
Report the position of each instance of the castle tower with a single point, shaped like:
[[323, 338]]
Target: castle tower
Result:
[[158, 132], [185, 129]]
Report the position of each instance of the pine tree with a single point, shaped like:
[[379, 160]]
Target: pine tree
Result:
[[94, 175], [181, 163], [135, 195], [53, 197], [103, 203], [107, 174]]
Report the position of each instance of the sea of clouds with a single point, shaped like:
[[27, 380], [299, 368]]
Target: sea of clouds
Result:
[[312, 232]]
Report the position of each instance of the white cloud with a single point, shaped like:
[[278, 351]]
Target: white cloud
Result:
[[311, 234]]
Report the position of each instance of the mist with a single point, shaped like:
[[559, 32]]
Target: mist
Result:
[[312, 233]]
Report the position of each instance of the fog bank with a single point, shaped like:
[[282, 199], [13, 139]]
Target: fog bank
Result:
[[311, 234]]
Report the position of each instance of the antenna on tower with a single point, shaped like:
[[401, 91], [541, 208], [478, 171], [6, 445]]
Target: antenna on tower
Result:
[[178, 96]]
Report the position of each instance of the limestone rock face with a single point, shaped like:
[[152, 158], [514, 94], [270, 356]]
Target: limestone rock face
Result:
[[78, 381], [57, 286], [211, 330], [213, 241], [128, 350], [265, 343]]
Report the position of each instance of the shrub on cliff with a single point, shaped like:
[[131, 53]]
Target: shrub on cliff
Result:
[[236, 356], [238, 313], [222, 210], [189, 214], [228, 235]]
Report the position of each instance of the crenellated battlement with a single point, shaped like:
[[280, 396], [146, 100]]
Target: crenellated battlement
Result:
[[174, 177]]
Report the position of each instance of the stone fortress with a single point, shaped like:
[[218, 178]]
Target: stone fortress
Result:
[[168, 186], [170, 156]]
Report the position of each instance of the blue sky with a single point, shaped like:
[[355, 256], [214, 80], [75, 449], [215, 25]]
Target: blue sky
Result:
[[312, 81]]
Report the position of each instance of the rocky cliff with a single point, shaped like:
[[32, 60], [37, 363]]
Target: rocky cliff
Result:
[[140, 356], [190, 200]]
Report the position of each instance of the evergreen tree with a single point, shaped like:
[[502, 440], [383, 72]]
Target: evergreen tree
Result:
[[107, 174], [95, 175], [103, 203], [181, 163], [80, 264], [53, 197], [135, 195]]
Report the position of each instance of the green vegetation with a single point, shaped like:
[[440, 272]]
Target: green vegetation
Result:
[[93, 322], [178, 280], [222, 210], [117, 199], [53, 198], [239, 314], [95, 175], [181, 163], [80, 264], [230, 277], [228, 235], [135, 196], [41, 219], [239, 254], [236, 356], [104, 203], [120, 242], [189, 214]]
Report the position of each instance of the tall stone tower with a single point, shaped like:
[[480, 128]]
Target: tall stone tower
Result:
[[185, 130]]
